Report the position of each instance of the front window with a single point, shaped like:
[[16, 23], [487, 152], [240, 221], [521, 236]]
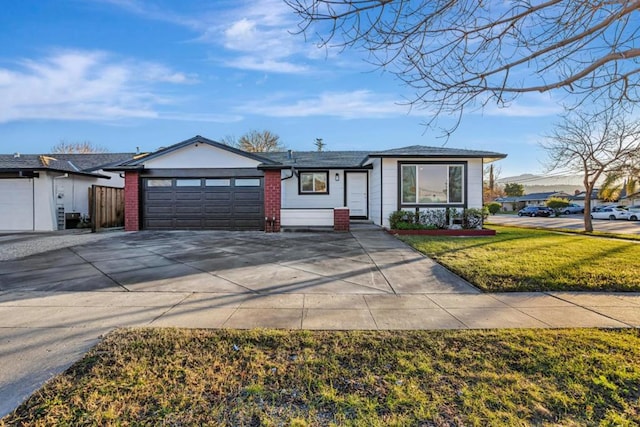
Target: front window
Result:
[[314, 182], [432, 184]]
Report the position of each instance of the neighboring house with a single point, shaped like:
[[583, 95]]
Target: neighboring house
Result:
[[203, 184], [36, 191], [630, 199], [578, 198], [515, 203]]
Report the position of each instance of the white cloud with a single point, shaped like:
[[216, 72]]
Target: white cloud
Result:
[[87, 85], [257, 35], [357, 104]]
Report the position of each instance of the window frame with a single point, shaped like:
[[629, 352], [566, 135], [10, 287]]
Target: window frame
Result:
[[463, 204], [313, 193]]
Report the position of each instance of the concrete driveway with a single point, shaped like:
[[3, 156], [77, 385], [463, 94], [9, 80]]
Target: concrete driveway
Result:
[[55, 305]]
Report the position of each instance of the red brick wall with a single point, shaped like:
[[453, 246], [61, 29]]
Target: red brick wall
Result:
[[131, 201], [341, 219], [272, 201]]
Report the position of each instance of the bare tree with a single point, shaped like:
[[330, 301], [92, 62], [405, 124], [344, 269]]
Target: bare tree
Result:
[[489, 188], [229, 140], [467, 53], [594, 145], [256, 142], [319, 144], [84, 147]]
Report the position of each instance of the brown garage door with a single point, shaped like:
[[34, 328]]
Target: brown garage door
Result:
[[203, 203]]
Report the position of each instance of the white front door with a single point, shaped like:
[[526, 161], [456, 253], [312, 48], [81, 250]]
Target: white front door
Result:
[[357, 194]]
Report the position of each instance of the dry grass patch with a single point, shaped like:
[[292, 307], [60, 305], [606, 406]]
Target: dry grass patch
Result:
[[235, 378]]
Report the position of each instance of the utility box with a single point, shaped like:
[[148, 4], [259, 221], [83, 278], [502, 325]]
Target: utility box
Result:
[[72, 219]]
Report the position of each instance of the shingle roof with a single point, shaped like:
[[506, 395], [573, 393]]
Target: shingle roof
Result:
[[423, 150], [318, 159], [72, 163]]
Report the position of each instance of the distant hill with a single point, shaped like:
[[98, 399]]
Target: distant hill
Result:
[[544, 183]]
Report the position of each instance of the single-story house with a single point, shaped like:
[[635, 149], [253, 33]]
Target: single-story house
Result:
[[38, 191], [580, 197], [514, 203], [203, 184]]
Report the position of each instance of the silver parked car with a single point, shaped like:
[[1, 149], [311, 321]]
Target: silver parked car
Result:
[[610, 213], [572, 208], [634, 212]]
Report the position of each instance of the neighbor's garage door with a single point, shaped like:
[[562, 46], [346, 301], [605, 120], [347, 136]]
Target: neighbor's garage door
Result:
[[203, 204], [16, 204]]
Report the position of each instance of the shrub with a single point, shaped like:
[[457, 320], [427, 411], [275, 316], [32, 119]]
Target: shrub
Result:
[[493, 207], [557, 204], [473, 218], [398, 217]]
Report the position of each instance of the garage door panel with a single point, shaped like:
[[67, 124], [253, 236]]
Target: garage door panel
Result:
[[160, 210], [218, 196], [249, 196], [222, 224], [247, 209], [180, 195], [220, 210], [16, 204], [158, 223], [189, 210], [208, 207], [188, 223]]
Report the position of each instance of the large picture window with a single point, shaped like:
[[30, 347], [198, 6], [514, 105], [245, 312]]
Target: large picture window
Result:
[[314, 182], [432, 184]]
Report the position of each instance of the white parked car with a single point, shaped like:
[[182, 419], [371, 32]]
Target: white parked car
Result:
[[634, 212], [610, 213]]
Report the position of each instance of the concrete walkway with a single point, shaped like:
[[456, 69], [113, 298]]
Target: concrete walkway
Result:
[[55, 306]]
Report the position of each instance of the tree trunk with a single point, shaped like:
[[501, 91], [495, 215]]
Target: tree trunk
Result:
[[588, 224]]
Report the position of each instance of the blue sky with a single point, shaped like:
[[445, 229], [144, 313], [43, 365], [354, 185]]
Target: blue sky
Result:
[[126, 73]]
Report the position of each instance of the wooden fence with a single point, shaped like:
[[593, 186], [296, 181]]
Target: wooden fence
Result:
[[106, 207]]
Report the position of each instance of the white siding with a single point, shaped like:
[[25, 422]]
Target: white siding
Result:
[[292, 200], [375, 200], [306, 217], [75, 190], [389, 189], [199, 155], [44, 202], [474, 183]]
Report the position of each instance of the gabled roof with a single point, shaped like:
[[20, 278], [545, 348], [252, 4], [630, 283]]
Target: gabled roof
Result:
[[423, 150], [79, 164], [137, 162]]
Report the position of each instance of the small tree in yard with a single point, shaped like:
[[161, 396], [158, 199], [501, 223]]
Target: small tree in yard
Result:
[[557, 204], [594, 145], [493, 207]]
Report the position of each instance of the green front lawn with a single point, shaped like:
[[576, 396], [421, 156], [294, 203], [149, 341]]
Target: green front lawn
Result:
[[519, 259], [237, 378]]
